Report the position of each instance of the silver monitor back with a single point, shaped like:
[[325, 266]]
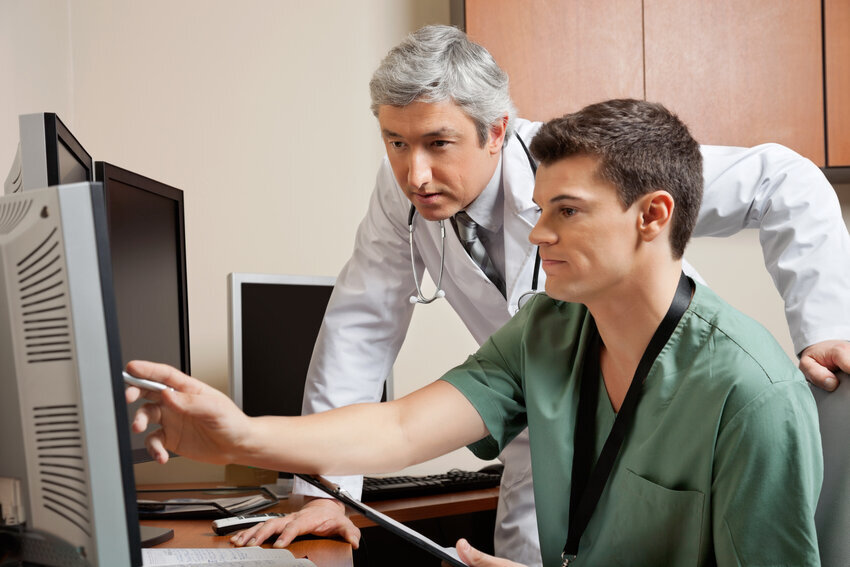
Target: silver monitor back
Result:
[[65, 441]]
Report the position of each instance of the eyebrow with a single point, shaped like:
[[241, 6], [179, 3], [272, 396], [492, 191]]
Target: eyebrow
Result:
[[432, 134], [564, 197]]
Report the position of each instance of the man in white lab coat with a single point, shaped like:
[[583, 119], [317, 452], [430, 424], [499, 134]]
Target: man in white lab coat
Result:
[[453, 144]]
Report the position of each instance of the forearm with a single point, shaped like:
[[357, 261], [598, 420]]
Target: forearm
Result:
[[364, 438], [343, 440]]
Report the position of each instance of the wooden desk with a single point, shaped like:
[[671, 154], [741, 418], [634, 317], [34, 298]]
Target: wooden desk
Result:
[[437, 506], [327, 552]]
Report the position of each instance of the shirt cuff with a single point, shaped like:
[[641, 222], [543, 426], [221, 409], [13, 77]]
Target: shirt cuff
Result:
[[351, 484]]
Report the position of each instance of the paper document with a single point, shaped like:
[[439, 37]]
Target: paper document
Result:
[[232, 557]]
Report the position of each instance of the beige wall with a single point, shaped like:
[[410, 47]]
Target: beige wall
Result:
[[259, 111]]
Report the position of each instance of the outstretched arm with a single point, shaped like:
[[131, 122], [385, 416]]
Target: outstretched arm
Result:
[[201, 423], [804, 241]]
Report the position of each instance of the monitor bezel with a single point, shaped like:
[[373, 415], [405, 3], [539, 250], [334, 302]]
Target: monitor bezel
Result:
[[55, 133], [110, 313]]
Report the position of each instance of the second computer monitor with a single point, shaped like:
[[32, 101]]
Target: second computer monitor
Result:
[[148, 249]]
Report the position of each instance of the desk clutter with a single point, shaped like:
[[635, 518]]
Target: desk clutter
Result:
[[210, 503]]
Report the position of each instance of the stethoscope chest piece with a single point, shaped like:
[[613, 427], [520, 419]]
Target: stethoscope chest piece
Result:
[[420, 297]]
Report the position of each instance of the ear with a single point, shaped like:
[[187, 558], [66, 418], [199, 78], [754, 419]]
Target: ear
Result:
[[497, 135], [656, 214]]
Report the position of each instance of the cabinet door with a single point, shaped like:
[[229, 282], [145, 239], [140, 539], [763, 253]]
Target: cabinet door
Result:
[[562, 55], [836, 18], [739, 72]]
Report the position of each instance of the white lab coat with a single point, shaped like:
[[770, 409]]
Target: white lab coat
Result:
[[803, 236]]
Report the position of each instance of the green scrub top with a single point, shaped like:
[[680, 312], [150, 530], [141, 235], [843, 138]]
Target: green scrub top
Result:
[[721, 464]]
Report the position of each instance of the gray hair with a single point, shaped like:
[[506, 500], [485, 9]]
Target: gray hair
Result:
[[439, 63]]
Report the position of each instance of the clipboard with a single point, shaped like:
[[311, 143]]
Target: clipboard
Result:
[[447, 554]]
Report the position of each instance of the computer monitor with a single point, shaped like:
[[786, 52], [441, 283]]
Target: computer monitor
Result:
[[148, 252], [273, 322], [48, 154], [65, 454]]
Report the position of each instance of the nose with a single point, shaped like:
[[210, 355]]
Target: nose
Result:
[[542, 235], [418, 169]]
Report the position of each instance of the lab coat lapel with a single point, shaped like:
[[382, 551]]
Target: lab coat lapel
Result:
[[520, 215]]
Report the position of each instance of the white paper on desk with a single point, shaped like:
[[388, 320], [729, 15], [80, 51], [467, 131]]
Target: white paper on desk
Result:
[[233, 556]]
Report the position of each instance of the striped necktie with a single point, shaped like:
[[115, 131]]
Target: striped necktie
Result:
[[467, 232]]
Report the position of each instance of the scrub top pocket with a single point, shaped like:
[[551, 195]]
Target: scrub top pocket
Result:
[[652, 526]]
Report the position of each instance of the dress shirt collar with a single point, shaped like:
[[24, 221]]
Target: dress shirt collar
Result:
[[487, 209]]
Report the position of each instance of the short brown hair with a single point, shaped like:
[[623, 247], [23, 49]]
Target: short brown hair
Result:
[[642, 147]]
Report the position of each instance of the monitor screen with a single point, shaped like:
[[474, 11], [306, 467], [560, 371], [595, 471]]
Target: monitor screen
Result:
[[148, 249], [70, 169], [274, 322], [64, 454]]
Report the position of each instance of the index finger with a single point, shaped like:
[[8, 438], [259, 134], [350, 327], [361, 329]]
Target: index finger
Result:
[[167, 375], [841, 356]]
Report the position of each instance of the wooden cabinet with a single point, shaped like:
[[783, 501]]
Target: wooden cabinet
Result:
[[836, 18], [562, 55], [738, 72]]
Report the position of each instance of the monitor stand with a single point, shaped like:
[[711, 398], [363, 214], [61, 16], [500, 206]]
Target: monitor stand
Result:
[[152, 536]]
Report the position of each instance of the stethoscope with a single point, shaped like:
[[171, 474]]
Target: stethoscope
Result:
[[420, 297]]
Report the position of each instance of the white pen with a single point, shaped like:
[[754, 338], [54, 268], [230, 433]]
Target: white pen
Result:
[[145, 384]]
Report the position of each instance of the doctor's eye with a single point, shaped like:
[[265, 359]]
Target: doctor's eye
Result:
[[568, 211], [440, 143]]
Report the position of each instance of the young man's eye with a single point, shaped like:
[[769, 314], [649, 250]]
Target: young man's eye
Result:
[[396, 145], [568, 211]]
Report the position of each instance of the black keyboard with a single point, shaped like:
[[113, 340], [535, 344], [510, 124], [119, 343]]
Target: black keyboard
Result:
[[385, 488]]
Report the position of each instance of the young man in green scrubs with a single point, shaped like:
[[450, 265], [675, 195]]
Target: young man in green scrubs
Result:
[[712, 458]]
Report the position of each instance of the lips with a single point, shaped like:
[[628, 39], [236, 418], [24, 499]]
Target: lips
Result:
[[426, 197], [549, 263]]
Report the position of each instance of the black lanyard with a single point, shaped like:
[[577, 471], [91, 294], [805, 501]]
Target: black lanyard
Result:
[[587, 485]]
